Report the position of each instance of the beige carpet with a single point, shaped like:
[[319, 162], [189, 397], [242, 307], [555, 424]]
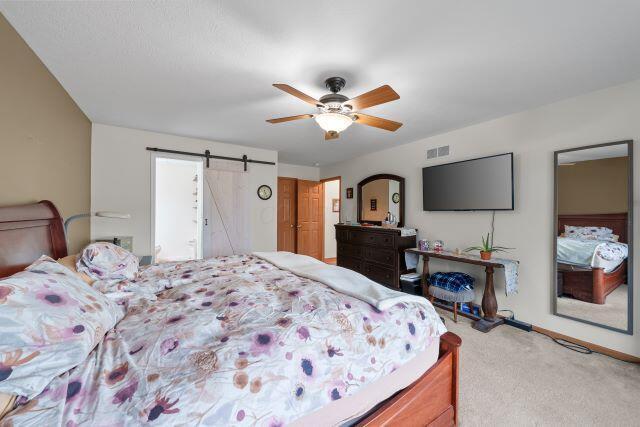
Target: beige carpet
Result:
[[612, 313], [514, 378]]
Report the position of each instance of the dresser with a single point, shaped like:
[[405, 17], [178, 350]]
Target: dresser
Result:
[[375, 252]]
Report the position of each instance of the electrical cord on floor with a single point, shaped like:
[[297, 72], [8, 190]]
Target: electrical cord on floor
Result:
[[578, 348]]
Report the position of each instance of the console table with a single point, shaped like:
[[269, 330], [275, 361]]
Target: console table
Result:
[[489, 303]]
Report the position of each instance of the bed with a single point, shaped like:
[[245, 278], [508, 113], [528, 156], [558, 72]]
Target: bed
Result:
[[589, 281], [166, 360]]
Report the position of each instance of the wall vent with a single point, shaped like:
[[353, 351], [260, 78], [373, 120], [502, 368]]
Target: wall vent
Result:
[[443, 151], [432, 153]]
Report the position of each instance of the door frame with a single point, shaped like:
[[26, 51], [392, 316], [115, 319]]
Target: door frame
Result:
[[152, 190], [323, 180]]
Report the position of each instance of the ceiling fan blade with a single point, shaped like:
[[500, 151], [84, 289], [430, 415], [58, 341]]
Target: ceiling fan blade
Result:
[[290, 118], [377, 122], [375, 97], [331, 135], [295, 92]]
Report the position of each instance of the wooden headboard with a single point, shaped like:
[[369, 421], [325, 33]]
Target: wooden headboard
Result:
[[615, 221], [27, 232]]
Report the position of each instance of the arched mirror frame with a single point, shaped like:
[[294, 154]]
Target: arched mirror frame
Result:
[[401, 192]]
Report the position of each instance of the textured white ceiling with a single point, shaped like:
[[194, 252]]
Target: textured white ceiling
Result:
[[204, 69]]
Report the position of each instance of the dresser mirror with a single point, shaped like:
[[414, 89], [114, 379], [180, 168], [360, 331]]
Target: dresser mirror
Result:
[[593, 235], [381, 197]]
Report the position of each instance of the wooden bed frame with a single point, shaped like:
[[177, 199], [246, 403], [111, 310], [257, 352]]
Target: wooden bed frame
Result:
[[29, 231], [592, 284]]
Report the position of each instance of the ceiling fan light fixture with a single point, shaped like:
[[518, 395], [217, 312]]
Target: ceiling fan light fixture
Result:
[[333, 122]]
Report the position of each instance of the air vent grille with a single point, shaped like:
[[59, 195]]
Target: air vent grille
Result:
[[432, 153]]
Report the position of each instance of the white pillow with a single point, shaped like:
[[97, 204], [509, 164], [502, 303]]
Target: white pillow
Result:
[[597, 233], [106, 261], [50, 320]]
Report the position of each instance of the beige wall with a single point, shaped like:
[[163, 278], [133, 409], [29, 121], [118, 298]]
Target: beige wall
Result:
[[604, 116], [593, 186], [379, 190], [45, 139]]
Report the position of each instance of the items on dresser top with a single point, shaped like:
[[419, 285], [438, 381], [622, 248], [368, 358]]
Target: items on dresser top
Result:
[[489, 302], [375, 252]]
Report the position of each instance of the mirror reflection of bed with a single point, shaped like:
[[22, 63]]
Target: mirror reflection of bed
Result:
[[593, 234]]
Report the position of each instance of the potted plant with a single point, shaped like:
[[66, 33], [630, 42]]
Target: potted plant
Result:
[[487, 247]]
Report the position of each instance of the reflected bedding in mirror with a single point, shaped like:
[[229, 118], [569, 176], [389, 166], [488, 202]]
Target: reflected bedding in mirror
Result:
[[593, 234]]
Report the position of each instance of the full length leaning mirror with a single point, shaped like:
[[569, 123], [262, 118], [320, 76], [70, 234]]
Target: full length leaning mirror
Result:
[[593, 235]]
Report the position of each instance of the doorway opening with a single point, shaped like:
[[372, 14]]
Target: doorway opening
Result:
[[307, 213], [177, 218], [332, 207]]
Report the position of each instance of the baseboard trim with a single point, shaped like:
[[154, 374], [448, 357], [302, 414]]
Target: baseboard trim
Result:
[[595, 347]]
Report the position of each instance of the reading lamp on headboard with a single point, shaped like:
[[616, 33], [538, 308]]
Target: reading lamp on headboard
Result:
[[102, 214]]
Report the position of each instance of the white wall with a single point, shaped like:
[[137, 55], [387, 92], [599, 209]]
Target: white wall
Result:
[[121, 181], [331, 191], [308, 173], [608, 115]]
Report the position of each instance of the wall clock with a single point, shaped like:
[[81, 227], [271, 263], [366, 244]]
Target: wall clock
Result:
[[395, 197], [264, 192]]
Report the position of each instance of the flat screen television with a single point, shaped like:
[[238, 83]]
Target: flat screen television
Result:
[[483, 184]]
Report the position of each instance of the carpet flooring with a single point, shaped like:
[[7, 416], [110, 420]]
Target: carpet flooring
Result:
[[612, 313], [511, 377]]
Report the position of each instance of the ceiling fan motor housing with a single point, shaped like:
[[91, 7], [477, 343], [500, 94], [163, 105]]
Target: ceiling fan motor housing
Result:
[[335, 84]]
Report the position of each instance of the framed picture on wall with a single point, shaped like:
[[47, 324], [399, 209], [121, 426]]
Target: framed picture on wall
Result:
[[374, 204], [335, 205], [350, 193]]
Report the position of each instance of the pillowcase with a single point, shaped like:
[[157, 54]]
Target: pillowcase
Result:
[[596, 233], [106, 261], [50, 320], [70, 262]]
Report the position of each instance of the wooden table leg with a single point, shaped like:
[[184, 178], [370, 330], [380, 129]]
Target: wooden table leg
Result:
[[489, 305], [424, 283]]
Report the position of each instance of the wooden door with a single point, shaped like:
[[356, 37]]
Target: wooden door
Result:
[[287, 204], [310, 239]]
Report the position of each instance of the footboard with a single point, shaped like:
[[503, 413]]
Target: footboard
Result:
[[430, 401]]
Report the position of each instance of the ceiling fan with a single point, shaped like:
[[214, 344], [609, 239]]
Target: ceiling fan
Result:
[[337, 112]]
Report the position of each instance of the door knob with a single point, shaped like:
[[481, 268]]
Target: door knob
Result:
[[299, 226]]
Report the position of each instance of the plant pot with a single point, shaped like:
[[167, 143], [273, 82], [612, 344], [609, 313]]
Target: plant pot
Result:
[[485, 255]]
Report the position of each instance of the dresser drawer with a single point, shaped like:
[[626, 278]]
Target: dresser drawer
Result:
[[350, 263], [381, 256], [343, 235], [348, 250], [379, 274], [384, 240]]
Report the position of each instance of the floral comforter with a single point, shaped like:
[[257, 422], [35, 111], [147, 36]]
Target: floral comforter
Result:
[[230, 341]]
